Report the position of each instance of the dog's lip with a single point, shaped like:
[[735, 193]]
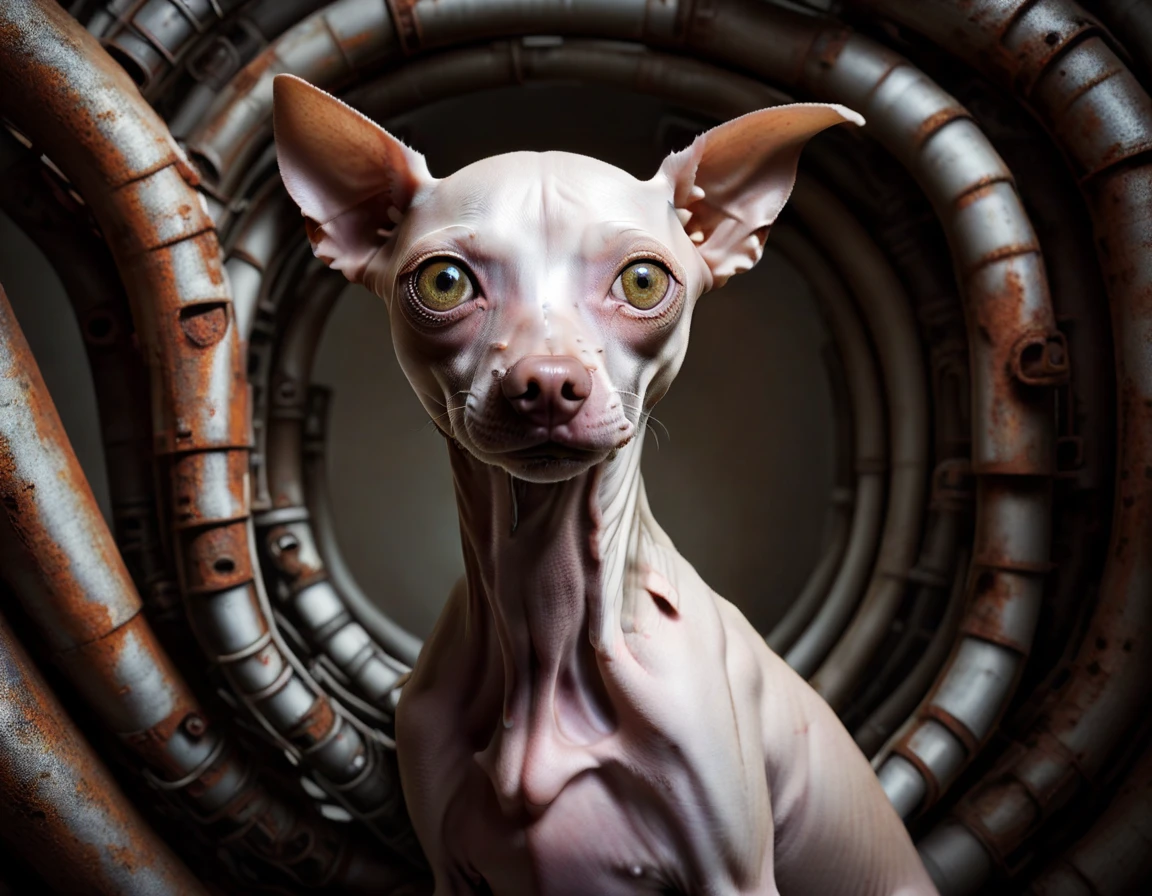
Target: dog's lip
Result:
[[550, 450]]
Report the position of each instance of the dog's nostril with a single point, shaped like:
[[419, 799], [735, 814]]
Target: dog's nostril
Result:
[[532, 392], [568, 391]]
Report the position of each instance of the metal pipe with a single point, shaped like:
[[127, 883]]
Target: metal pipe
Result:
[[149, 40], [837, 518], [273, 288], [1130, 22], [905, 227], [836, 655], [69, 97], [34, 199], [1102, 118], [61, 561], [897, 705], [1113, 857], [1085, 407], [869, 437], [59, 806], [1016, 355], [397, 640], [217, 56], [286, 530], [325, 48]]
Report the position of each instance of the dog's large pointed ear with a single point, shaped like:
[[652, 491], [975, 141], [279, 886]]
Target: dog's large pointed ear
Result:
[[732, 182], [352, 179]]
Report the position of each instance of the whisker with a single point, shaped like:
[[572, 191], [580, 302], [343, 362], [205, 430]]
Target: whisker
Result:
[[432, 420], [655, 437], [660, 422]]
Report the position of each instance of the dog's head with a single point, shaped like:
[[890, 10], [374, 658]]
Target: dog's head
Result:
[[540, 302]]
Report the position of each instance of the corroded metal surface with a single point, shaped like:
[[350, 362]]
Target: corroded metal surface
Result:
[[58, 804], [118, 154], [59, 558]]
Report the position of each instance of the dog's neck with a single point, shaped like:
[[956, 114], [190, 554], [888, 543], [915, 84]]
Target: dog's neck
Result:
[[549, 570], [550, 562]]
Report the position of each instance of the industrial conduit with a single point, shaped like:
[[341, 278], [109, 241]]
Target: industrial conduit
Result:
[[887, 313], [286, 530], [1053, 56], [62, 564], [65, 93], [77, 829]]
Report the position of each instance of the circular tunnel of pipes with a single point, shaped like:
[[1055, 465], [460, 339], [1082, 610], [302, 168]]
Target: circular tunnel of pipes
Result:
[[913, 445]]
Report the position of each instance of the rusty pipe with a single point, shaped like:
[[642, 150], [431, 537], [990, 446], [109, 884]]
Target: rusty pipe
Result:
[[1113, 856], [60, 807], [286, 530], [69, 97], [1099, 114], [826, 648], [34, 199], [148, 38], [62, 563]]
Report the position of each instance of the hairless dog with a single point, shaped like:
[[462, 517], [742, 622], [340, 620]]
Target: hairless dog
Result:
[[588, 717]]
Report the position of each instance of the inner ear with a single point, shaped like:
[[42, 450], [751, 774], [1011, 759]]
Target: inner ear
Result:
[[352, 180], [730, 185]]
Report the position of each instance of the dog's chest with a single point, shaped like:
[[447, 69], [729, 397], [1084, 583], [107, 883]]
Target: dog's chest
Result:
[[596, 837], [664, 803]]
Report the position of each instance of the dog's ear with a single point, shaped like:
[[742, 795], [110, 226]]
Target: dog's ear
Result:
[[352, 179], [732, 182]]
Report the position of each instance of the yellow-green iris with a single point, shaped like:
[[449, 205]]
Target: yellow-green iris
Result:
[[443, 285], [645, 284]]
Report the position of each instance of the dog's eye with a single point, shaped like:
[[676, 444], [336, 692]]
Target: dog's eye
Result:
[[442, 284], [644, 284]]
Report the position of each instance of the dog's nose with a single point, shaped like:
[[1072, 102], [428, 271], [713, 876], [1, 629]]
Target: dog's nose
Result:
[[547, 389]]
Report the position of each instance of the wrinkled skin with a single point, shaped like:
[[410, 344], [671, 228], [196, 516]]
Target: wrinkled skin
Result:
[[588, 716]]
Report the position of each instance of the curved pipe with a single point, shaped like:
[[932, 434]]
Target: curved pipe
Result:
[[61, 561], [286, 530], [278, 374], [1113, 857], [879, 727], [60, 807], [1014, 347], [217, 56], [1131, 22], [29, 195], [1018, 45], [838, 516], [326, 48], [837, 655], [869, 443], [150, 39], [904, 226], [403, 645], [68, 96]]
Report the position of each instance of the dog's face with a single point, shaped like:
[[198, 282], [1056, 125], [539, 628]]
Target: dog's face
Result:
[[540, 302]]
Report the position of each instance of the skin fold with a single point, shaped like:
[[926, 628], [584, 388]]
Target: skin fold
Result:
[[588, 716]]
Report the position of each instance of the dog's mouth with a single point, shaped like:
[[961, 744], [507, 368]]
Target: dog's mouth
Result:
[[551, 452]]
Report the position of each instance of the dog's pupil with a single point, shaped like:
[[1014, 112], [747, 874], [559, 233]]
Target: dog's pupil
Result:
[[447, 279], [643, 280]]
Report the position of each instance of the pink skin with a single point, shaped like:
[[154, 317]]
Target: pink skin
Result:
[[588, 716]]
